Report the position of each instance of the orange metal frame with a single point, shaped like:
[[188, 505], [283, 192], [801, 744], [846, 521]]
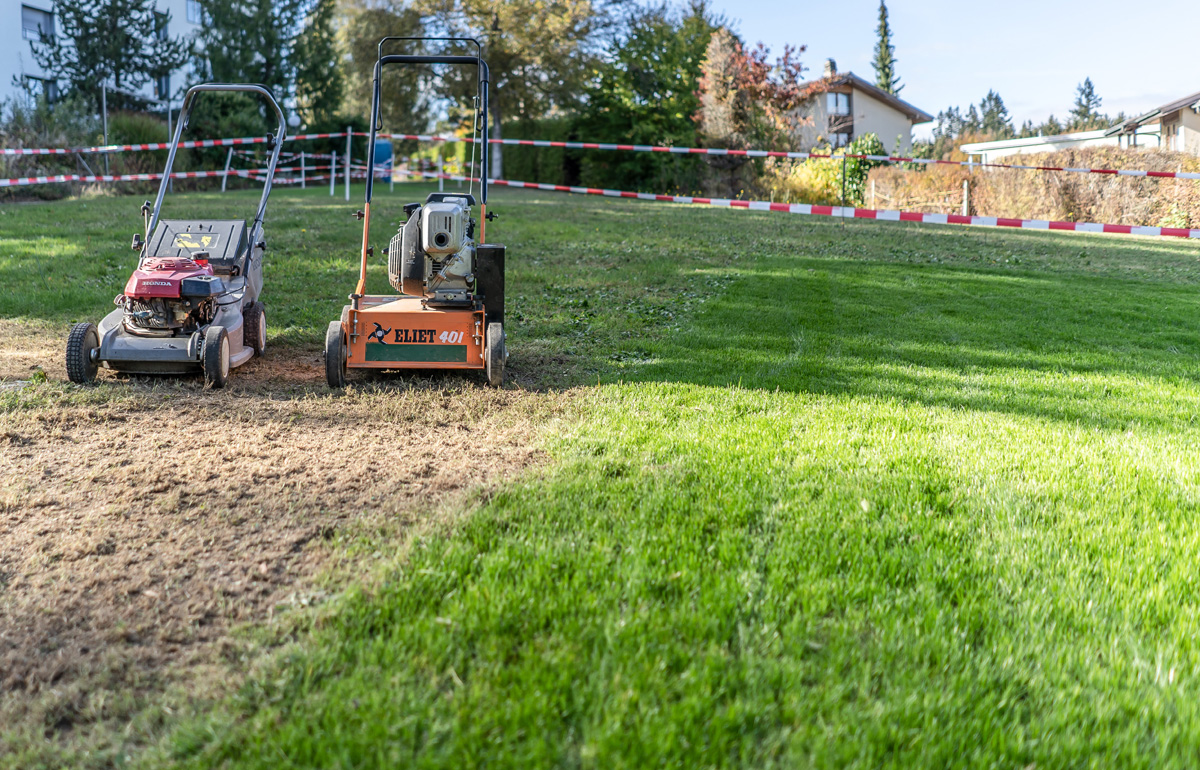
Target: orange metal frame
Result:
[[390, 332]]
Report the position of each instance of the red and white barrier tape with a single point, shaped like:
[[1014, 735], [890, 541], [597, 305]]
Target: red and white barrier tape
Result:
[[846, 212], [113, 148], [789, 155]]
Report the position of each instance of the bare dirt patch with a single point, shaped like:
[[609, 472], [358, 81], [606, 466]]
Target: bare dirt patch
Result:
[[142, 519]]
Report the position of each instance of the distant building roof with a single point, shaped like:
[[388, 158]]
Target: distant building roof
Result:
[[1132, 124], [828, 82]]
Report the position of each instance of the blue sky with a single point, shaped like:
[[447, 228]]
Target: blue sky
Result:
[[1139, 55]]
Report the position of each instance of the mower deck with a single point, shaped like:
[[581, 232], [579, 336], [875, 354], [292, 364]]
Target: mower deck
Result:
[[390, 332]]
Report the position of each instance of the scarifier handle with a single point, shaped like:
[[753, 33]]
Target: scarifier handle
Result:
[[484, 82]]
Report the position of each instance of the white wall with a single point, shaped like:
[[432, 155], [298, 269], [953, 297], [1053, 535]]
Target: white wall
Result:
[[16, 55], [872, 116], [990, 152]]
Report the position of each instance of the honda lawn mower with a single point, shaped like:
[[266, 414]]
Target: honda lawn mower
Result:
[[450, 312], [192, 304]]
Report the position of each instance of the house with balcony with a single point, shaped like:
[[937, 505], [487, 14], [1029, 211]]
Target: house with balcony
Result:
[[841, 106]]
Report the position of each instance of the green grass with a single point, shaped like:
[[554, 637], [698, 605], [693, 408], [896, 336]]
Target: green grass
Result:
[[873, 495]]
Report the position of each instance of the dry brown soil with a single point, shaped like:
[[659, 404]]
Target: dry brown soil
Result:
[[144, 518]]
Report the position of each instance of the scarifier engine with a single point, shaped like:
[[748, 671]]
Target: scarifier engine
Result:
[[433, 254]]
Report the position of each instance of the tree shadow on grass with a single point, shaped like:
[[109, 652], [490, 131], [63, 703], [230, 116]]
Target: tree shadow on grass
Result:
[[1095, 351]]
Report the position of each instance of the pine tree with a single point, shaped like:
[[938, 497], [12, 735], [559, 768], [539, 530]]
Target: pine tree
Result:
[[251, 41], [319, 81], [994, 118], [885, 55], [114, 41], [1086, 112]]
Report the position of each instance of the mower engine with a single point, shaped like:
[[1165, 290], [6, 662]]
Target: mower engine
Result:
[[433, 254], [171, 296]]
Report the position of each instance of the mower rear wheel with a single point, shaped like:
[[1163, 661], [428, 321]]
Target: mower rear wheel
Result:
[[82, 342], [335, 356], [496, 354], [216, 357], [254, 329]]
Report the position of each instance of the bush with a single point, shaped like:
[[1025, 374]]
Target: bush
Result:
[[69, 124], [820, 181], [1053, 195]]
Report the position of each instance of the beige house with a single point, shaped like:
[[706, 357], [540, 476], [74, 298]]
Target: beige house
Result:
[[843, 107], [1178, 125]]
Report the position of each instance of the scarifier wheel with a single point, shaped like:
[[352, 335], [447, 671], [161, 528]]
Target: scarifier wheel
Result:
[[84, 338], [496, 354], [255, 328], [335, 356], [216, 357]]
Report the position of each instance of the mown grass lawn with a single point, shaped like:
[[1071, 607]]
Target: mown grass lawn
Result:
[[871, 495]]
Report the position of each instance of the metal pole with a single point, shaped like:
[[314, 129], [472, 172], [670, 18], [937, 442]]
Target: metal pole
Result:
[[392, 172], [346, 163], [441, 179], [170, 182], [303, 179], [332, 173], [104, 111], [228, 161], [966, 199]]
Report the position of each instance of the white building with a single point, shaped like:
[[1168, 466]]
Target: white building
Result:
[[24, 21], [844, 106], [1173, 126]]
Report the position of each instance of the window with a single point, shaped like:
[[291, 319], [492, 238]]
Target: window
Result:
[[38, 88], [162, 87], [160, 25], [195, 11], [841, 120], [837, 104], [36, 23]]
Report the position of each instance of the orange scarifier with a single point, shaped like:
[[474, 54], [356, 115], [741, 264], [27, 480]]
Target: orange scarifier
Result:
[[450, 310]]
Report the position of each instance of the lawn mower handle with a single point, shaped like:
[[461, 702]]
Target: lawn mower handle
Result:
[[185, 112]]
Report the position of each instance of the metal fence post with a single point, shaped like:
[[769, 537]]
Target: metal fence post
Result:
[[303, 173], [966, 198], [346, 162], [332, 173], [228, 161], [441, 179]]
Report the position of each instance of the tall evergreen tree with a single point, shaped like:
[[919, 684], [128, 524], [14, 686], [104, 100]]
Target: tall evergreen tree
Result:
[[319, 81], [117, 41], [251, 41], [993, 116], [885, 55], [1086, 112]]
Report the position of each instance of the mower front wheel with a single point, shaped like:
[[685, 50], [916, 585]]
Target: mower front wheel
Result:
[[82, 343], [216, 357], [335, 356], [496, 354], [254, 320]]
